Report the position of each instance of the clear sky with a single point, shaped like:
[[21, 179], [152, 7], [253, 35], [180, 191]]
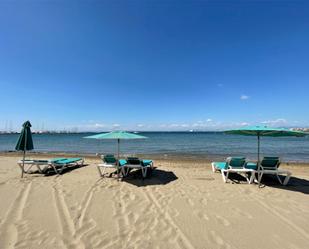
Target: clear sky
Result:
[[154, 65]]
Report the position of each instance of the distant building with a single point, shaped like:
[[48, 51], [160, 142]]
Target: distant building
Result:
[[301, 129]]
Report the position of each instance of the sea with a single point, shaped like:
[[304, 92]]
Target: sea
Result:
[[192, 144]]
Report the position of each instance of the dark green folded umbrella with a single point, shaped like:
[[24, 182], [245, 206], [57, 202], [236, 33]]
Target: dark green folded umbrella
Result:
[[25, 142]]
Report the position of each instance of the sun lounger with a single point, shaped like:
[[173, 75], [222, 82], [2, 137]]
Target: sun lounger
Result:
[[29, 163], [136, 163], [270, 165], [109, 162], [59, 165], [236, 165]]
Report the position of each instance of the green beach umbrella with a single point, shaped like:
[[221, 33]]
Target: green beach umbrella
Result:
[[117, 135], [260, 131], [25, 142]]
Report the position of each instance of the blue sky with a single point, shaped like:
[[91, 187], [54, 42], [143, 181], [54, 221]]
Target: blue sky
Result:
[[154, 65]]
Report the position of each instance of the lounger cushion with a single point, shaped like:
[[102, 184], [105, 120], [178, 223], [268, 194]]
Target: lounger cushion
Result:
[[270, 162], [271, 157], [109, 155], [133, 160], [41, 161], [68, 160], [220, 165], [251, 166], [122, 162], [146, 162], [54, 160], [236, 162], [109, 159]]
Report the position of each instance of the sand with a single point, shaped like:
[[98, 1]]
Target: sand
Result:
[[183, 205]]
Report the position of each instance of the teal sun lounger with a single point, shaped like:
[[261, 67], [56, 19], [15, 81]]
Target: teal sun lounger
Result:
[[136, 163], [234, 165], [59, 165], [110, 162], [270, 166]]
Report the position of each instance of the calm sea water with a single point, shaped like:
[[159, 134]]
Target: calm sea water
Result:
[[197, 144]]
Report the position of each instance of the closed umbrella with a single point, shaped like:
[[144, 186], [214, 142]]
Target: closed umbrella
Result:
[[117, 135], [263, 130], [25, 142]]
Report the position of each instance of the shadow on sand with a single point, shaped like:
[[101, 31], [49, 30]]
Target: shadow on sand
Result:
[[295, 184], [155, 177], [51, 172]]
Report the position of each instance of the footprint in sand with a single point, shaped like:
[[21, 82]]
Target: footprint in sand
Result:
[[92, 238], [242, 213], [132, 217], [21, 244], [219, 241], [201, 215], [190, 202], [203, 201], [174, 212], [223, 221]]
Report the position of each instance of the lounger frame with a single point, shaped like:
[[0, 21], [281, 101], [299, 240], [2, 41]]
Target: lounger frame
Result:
[[274, 171], [242, 171], [58, 166], [26, 165], [108, 165], [143, 168], [103, 166]]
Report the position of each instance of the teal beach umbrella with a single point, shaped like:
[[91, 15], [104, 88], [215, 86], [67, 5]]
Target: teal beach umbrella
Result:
[[24, 142], [117, 135], [260, 131]]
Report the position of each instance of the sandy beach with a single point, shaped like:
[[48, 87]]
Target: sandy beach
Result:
[[183, 205]]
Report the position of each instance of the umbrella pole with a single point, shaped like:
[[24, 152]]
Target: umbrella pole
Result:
[[258, 163], [118, 157], [258, 149], [22, 172]]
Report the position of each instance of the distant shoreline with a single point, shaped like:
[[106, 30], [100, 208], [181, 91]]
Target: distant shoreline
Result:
[[95, 132], [156, 156]]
